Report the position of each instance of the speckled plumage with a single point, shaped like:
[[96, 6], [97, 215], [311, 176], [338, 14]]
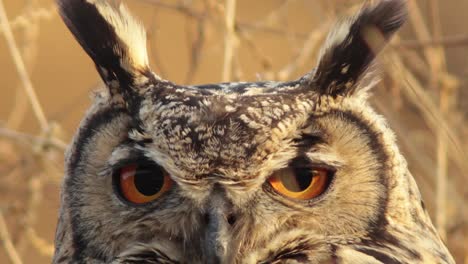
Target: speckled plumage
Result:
[[220, 143]]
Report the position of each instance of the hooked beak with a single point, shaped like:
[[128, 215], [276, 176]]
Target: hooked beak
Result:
[[218, 233]]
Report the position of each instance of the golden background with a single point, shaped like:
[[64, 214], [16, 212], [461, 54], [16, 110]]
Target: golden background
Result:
[[423, 93]]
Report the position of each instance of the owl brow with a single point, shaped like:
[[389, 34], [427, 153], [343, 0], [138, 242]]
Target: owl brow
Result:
[[137, 135], [135, 157], [307, 141]]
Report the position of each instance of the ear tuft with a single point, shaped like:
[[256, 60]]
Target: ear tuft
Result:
[[112, 38], [353, 44]]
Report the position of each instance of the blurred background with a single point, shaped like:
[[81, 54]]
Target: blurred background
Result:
[[47, 83]]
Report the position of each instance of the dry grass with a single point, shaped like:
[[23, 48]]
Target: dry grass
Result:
[[424, 83]]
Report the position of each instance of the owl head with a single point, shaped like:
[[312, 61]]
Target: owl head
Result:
[[302, 171]]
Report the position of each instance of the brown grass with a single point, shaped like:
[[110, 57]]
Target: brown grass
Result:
[[46, 78]]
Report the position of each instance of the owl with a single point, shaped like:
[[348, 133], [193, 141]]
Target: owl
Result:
[[302, 171]]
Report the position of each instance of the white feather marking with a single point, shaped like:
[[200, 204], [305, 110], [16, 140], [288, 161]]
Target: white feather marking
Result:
[[337, 35], [131, 33]]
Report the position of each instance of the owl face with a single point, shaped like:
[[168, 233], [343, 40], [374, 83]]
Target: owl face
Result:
[[292, 172], [221, 159]]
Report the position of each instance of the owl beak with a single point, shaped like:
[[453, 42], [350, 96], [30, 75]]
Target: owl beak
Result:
[[219, 220]]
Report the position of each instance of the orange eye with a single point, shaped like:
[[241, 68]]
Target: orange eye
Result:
[[142, 183], [300, 183]]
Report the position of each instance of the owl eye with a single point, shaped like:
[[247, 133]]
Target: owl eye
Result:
[[301, 183], [142, 183]]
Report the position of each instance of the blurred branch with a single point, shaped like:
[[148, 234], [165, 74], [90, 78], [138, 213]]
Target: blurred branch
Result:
[[29, 50], [20, 67], [310, 47], [154, 51], [450, 41], [239, 25], [415, 92], [43, 246], [32, 16], [21, 137], [230, 39], [445, 90], [6, 242], [196, 46], [181, 7]]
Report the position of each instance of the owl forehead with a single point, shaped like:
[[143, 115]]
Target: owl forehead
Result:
[[221, 130]]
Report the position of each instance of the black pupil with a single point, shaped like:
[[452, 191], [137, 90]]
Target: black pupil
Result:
[[303, 179], [149, 179]]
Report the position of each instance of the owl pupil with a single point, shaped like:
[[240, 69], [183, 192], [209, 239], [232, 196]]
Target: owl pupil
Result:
[[149, 179], [301, 179]]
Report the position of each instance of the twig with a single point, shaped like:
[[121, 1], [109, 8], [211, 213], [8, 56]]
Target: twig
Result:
[[6, 242], [155, 52], [20, 67], [55, 142], [303, 56], [414, 91], [30, 17], [183, 8], [239, 25], [43, 246], [256, 51], [196, 46], [444, 107], [29, 50], [35, 196], [458, 40], [229, 39], [435, 57]]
